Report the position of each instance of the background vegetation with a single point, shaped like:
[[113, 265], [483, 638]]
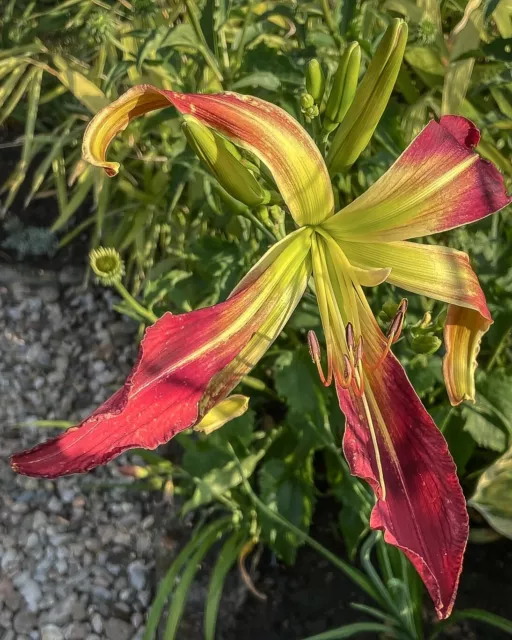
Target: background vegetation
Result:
[[186, 242]]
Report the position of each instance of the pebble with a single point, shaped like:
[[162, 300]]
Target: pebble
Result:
[[68, 552], [51, 632]]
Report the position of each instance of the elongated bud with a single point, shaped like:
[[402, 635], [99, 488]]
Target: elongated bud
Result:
[[315, 80], [216, 154], [343, 88], [226, 410], [426, 344], [371, 98]]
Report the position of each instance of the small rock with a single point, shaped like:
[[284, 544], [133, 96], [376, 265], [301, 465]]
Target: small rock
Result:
[[9, 596], [51, 632], [24, 621], [62, 611], [9, 559], [31, 591], [32, 540], [117, 629], [97, 623], [76, 631], [54, 504], [137, 574], [39, 520]]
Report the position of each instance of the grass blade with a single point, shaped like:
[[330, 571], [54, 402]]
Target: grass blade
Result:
[[227, 558]]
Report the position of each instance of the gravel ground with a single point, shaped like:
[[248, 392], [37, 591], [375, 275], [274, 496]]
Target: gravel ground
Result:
[[77, 554]]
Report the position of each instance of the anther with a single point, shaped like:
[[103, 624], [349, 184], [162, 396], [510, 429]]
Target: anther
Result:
[[314, 351], [359, 350], [349, 335]]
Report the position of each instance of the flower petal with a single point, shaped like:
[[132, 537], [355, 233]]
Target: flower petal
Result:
[[429, 270], [463, 332], [226, 410], [444, 274], [110, 120], [438, 183], [261, 127], [421, 507], [187, 364], [276, 139]]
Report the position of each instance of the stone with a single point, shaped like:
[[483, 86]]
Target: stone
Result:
[[62, 612], [137, 574], [8, 595], [31, 592], [116, 629], [97, 623], [24, 621], [51, 632], [76, 631]]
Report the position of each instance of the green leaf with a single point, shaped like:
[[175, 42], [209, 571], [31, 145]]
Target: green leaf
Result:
[[484, 432], [296, 379], [351, 630], [473, 614], [289, 491], [492, 495], [227, 558], [264, 79], [218, 481]]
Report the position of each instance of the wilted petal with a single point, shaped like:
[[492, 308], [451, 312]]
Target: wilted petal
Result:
[[463, 332], [187, 364], [438, 183], [259, 126], [421, 507]]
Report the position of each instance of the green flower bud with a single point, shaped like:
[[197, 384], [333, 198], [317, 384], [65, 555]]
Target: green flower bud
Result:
[[343, 87], [307, 101], [107, 264], [370, 100], [216, 155], [315, 80], [426, 345]]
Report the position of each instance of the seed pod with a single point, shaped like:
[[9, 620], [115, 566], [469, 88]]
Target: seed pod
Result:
[[215, 153], [107, 265], [315, 80], [343, 87], [371, 98]]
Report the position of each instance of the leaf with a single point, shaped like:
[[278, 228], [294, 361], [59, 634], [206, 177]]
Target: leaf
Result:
[[226, 559], [218, 481], [351, 630], [296, 379], [263, 79], [288, 490], [492, 495], [83, 89], [484, 432]]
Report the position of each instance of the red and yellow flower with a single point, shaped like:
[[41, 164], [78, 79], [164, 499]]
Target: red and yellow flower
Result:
[[188, 364]]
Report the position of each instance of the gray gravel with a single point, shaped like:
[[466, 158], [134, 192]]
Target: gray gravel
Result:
[[76, 554]]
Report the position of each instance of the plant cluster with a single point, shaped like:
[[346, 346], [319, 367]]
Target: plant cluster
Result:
[[179, 233]]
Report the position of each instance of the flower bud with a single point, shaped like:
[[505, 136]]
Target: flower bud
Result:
[[307, 101], [426, 345], [107, 264], [315, 80], [231, 174], [343, 87], [371, 98]]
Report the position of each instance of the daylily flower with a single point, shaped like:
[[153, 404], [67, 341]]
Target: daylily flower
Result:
[[189, 363]]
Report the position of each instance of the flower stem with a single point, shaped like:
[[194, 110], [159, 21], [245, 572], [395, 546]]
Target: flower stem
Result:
[[203, 45], [329, 21], [136, 306]]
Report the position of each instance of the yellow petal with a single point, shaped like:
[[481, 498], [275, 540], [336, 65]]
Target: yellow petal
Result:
[[228, 409], [463, 333], [114, 118]]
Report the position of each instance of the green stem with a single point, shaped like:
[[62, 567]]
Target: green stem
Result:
[[497, 352], [258, 223], [241, 44], [203, 47], [329, 21], [136, 306]]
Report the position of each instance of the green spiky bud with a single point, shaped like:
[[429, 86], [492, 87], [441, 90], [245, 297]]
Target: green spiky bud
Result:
[[426, 345], [107, 264], [344, 87], [372, 96], [216, 154], [315, 80]]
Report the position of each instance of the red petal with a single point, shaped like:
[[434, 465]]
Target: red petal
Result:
[[186, 365], [424, 510]]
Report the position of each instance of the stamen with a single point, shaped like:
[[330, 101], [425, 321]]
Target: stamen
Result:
[[314, 351], [349, 334], [345, 379], [359, 350]]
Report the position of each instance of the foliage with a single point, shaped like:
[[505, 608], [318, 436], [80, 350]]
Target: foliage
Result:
[[186, 242]]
